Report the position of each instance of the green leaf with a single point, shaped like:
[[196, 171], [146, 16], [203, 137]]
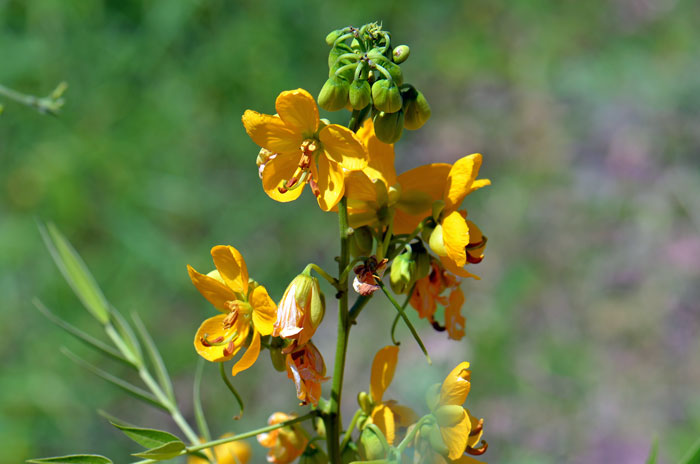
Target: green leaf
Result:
[[156, 359], [127, 334], [75, 272], [74, 459], [148, 438], [653, 452], [80, 335], [166, 451], [114, 420], [124, 385], [693, 455]]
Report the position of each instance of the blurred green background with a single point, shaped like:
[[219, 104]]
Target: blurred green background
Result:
[[583, 333]]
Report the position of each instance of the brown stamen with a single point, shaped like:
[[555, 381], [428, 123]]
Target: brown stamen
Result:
[[479, 427], [230, 319], [314, 187], [477, 451], [281, 189], [228, 351]]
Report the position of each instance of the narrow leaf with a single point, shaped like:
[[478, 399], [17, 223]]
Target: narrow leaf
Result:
[[80, 335], [154, 355], [148, 438], [693, 455], [653, 453], [75, 272], [166, 451], [114, 420], [126, 333], [198, 410], [74, 459], [126, 386]]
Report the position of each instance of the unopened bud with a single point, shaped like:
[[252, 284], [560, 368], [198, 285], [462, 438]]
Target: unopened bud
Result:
[[400, 53], [436, 441], [361, 242], [336, 52], [436, 242], [432, 396], [395, 71], [417, 112], [349, 454], [388, 126], [449, 415], [372, 445], [333, 36], [402, 273], [360, 94], [386, 97], [313, 455], [334, 94], [365, 402], [422, 259], [278, 359]]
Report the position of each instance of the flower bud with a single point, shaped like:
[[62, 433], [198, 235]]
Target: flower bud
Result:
[[402, 273], [349, 454], [373, 445], [417, 112], [334, 54], [436, 242], [448, 415], [400, 53], [361, 242], [313, 455], [422, 259], [436, 441], [333, 36], [395, 71], [386, 97], [388, 126], [365, 402], [432, 396], [334, 94], [360, 94], [278, 359]]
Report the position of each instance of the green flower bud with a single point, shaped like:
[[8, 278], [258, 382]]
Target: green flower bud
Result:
[[334, 94], [422, 262], [349, 454], [278, 359], [388, 126], [360, 94], [365, 402], [313, 455], [386, 97], [436, 441], [320, 427], [400, 53], [432, 396], [395, 71], [334, 54], [373, 445], [449, 415], [333, 36], [318, 304], [361, 242], [402, 273], [417, 112]]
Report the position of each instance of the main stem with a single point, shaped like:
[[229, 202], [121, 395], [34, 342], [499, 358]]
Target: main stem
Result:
[[333, 419]]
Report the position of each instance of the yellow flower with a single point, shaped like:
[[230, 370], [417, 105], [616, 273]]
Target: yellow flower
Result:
[[306, 367], [302, 149], [245, 307], [459, 431], [444, 186], [235, 452], [387, 415], [286, 444]]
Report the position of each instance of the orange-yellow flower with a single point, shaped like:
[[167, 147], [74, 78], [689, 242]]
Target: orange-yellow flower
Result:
[[245, 306], [306, 367], [386, 414], [235, 452], [302, 149], [459, 431], [287, 443], [445, 187]]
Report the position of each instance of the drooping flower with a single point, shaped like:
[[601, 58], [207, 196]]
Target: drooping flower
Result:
[[245, 306], [445, 187], [235, 452], [300, 310], [306, 367], [366, 275], [386, 414], [286, 443], [459, 431], [302, 149]]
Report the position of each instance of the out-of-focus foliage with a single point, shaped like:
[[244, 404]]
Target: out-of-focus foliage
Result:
[[583, 335]]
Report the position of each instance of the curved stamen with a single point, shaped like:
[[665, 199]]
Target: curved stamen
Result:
[[477, 451], [479, 427]]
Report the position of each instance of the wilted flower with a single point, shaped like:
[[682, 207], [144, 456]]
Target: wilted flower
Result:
[[306, 367], [286, 443], [300, 310]]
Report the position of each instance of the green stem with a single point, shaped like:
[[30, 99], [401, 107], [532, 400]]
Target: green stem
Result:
[[51, 104], [358, 306], [407, 240], [409, 438], [228, 383], [331, 280], [398, 316], [399, 308], [348, 432]]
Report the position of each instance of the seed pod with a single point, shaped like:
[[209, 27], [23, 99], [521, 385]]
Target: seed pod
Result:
[[386, 97], [400, 54], [417, 112], [334, 94], [360, 94], [388, 126]]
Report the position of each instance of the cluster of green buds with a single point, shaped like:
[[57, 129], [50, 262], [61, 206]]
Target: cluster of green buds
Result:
[[365, 75]]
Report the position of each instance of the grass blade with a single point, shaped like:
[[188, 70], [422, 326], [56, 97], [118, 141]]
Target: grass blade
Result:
[[693, 455], [133, 390], [156, 358]]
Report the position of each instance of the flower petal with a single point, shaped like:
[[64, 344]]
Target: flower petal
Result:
[[383, 368], [331, 183], [232, 268], [456, 437], [277, 172], [343, 147], [381, 155], [383, 417], [454, 321], [455, 388], [456, 270], [250, 355], [359, 188], [264, 310], [271, 133], [212, 329], [429, 179], [298, 109], [403, 415], [214, 291], [460, 179], [455, 236]]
